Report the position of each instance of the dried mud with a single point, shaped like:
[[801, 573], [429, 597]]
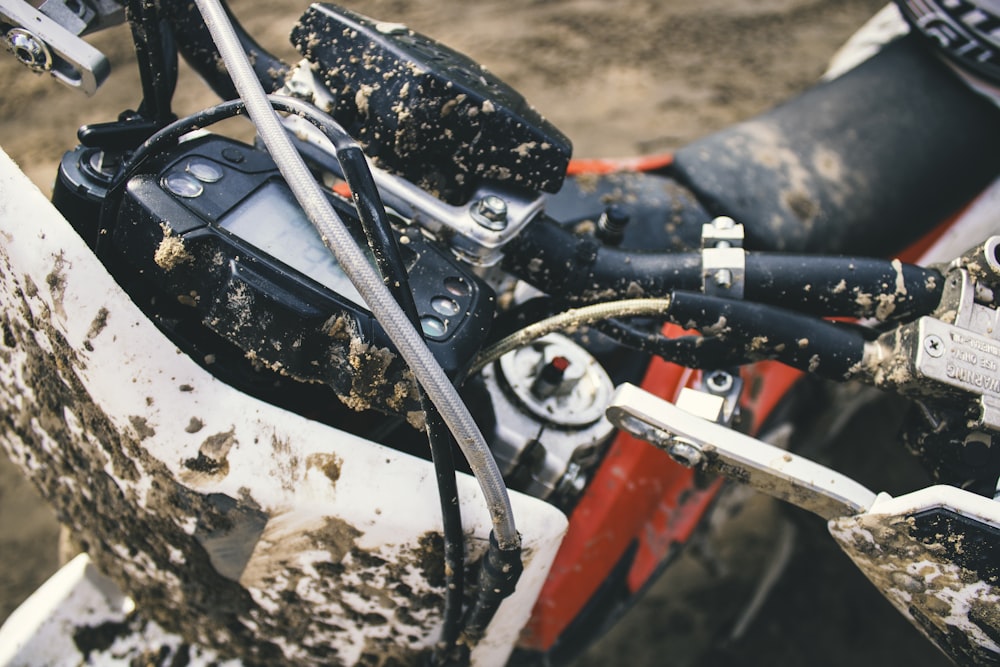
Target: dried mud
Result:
[[619, 79]]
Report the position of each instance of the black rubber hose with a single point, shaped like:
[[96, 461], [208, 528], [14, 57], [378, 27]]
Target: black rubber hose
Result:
[[376, 225], [382, 242], [580, 269], [842, 286], [826, 349], [693, 351], [499, 572], [196, 45]]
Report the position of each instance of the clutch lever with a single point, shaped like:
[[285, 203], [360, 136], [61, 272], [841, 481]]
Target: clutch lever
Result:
[[697, 442]]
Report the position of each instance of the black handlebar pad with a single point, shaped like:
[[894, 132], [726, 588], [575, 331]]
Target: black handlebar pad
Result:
[[863, 164]]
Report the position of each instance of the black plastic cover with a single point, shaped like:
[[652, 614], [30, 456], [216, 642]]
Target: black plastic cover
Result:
[[205, 251], [426, 112]]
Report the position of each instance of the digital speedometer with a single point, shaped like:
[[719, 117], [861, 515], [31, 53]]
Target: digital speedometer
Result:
[[215, 228]]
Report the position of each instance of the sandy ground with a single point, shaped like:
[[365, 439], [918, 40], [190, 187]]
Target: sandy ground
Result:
[[625, 78]]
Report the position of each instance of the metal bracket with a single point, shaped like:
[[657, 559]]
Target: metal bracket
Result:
[[696, 442], [954, 352], [477, 231], [720, 384], [723, 261], [44, 45]]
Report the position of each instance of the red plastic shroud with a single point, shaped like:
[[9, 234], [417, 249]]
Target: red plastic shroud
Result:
[[639, 494]]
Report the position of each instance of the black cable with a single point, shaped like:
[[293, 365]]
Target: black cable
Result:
[[153, 58], [390, 263], [828, 349], [196, 45], [168, 136], [842, 286], [376, 225], [693, 351], [581, 269]]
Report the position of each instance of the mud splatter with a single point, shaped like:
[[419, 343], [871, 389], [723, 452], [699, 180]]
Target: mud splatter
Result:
[[56, 281], [171, 252], [135, 522], [329, 464], [923, 581]]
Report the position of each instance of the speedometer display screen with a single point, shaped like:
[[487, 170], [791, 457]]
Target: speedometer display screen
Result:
[[271, 220]]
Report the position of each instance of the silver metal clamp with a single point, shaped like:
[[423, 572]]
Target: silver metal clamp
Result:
[[723, 260]]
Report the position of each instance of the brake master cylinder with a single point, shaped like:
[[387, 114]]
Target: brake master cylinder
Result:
[[426, 112], [549, 399]]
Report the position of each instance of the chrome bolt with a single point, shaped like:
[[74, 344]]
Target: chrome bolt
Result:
[[491, 212], [934, 345], [723, 278], [685, 452], [719, 382], [29, 49], [723, 222], [572, 483]]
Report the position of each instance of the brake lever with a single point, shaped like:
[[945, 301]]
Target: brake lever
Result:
[[695, 441]]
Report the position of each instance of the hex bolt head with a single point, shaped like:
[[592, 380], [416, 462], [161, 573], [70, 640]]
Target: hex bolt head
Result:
[[686, 453], [723, 278], [719, 382], [29, 49], [491, 212], [934, 346]]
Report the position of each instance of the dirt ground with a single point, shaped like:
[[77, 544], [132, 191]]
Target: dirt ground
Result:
[[624, 78]]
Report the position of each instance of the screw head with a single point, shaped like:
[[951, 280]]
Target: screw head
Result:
[[719, 382], [686, 453], [29, 49], [934, 346], [491, 212], [723, 278]]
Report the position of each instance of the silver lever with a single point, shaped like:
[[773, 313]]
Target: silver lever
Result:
[[44, 45], [698, 443]]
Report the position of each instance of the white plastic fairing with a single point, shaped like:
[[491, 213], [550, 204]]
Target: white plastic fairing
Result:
[[67, 622], [240, 526], [932, 553]]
